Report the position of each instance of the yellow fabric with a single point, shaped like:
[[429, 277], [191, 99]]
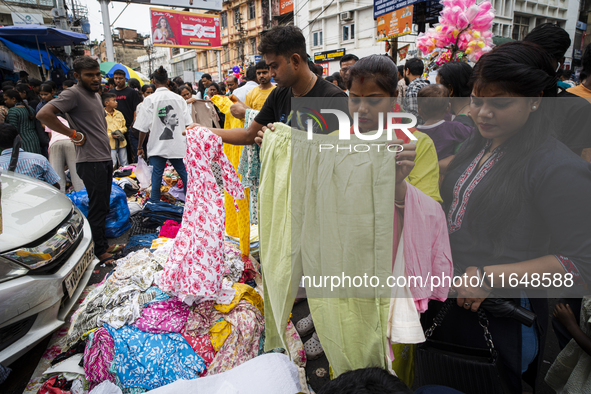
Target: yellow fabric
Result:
[[404, 362], [115, 122], [580, 91], [425, 174], [86, 335], [237, 223], [158, 242], [245, 292], [257, 97], [219, 332]]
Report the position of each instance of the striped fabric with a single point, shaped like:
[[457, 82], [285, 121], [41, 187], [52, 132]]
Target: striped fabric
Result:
[[98, 356], [19, 118], [30, 164]]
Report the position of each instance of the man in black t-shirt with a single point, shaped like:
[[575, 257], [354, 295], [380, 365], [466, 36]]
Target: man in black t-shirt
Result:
[[127, 101], [284, 50]]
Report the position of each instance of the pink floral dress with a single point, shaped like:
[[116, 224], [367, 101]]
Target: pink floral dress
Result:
[[195, 266]]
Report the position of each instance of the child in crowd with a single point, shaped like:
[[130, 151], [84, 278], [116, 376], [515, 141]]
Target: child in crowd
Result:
[[433, 105], [115, 128]]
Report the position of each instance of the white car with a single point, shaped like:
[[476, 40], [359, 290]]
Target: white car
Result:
[[46, 260]]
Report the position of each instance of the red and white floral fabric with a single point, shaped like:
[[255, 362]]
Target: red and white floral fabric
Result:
[[195, 266]]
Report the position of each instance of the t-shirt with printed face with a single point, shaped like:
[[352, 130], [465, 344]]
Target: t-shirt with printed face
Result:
[[277, 107], [88, 115], [164, 115], [127, 102]]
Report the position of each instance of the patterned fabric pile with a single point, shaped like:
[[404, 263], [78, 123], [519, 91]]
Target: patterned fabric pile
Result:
[[129, 332]]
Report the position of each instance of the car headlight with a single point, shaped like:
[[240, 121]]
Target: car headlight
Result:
[[54, 245], [10, 270]]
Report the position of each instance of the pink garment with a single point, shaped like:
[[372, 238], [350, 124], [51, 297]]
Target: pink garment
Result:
[[427, 253], [55, 136], [169, 229], [201, 344], [98, 357], [163, 317], [195, 266]]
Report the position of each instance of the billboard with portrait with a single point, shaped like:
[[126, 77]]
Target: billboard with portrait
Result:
[[181, 29]]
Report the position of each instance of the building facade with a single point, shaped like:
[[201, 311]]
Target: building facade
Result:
[[349, 24], [128, 45], [153, 58], [242, 22]]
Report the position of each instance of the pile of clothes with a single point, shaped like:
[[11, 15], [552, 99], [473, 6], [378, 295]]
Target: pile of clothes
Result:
[[128, 332]]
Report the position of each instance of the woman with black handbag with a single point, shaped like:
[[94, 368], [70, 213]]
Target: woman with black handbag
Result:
[[517, 206]]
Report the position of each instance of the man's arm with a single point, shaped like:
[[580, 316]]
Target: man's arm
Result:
[[140, 145], [48, 116], [239, 136]]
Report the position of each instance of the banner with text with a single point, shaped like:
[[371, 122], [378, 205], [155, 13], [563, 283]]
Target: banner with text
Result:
[[286, 6], [181, 29], [394, 24], [382, 7]]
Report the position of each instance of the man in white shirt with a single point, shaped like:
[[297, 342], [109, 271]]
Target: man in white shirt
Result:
[[251, 78], [164, 115]]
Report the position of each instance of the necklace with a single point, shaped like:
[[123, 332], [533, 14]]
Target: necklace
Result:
[[307, 88]]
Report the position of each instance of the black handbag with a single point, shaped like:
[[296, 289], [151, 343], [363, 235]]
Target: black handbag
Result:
[[469, 370]]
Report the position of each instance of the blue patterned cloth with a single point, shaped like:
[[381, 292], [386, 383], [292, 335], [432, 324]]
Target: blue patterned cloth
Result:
[[153, 360], [160, 295], [250, 168]]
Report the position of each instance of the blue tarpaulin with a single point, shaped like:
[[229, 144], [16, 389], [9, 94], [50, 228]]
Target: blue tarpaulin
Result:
[[31, 54], [31, 35]]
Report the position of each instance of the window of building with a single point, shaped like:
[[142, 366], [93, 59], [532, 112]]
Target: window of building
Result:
[[224, 19], [251, 10], [188, 65], [237, 18], [226, 53], [253, 46], [317, 38], [205, 65], [349, 32], [177, 69], [176, 51], [520, 27]]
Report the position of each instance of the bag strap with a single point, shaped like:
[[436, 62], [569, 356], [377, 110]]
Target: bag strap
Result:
[[482, 320]]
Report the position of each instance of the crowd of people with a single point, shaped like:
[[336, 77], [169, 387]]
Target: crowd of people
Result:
[[499, 159]]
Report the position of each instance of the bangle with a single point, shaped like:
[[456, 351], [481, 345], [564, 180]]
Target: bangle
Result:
[[73, 134]]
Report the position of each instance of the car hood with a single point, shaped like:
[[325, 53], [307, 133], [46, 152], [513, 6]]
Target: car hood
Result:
[[30, 209]]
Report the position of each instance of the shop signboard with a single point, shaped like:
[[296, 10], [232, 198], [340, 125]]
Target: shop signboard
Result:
[[285, 6], [25, 18], [324, 68], [382, 7], [327, 56], [394, 24], [181, 29], [213, 5]]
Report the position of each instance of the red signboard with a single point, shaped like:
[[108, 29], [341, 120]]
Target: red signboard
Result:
[[324, 68], [286, 6], [181, 29]]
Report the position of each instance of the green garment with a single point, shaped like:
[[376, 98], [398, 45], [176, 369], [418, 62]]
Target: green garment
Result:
[[19, 118], [322, 214]]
